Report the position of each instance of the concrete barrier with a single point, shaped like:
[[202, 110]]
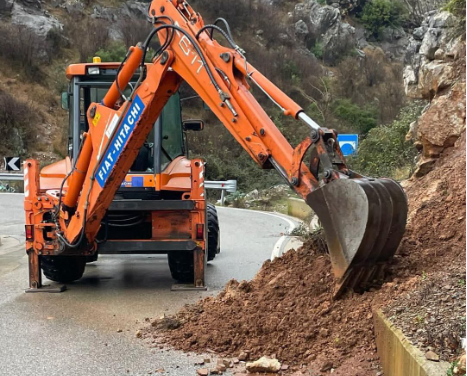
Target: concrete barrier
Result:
[[298, 208], [398, 356]]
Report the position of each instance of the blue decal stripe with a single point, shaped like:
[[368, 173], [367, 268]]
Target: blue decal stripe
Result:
[[120, 139]]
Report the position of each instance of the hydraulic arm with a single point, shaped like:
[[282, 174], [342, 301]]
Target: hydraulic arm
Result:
[[364, 219]]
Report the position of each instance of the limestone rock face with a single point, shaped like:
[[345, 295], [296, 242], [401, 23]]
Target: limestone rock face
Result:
[[442, 124], [38, 21], [5, 7], [323, 24], [434, 65]]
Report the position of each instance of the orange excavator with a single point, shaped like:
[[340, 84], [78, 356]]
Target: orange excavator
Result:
[[71, 204]]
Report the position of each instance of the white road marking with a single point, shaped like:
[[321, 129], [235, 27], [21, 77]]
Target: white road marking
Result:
[[277, 250]]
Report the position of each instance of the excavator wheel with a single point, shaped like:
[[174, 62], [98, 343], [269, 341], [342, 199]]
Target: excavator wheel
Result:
[[213, 232], [63, 269], [181, 266]]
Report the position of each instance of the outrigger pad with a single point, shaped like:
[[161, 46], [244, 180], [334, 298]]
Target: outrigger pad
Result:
[[47, 288], [364, 221]]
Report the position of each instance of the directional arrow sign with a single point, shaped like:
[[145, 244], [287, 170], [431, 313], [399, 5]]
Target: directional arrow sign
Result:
[[12, 163]]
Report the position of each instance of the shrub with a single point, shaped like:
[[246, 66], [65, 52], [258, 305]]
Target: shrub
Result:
[[23, 49], [134, 30], [88, 36], [360, 119], [18, 121], [317, 50], [114, 52], [378, 14], [385, 151], [456, 7]]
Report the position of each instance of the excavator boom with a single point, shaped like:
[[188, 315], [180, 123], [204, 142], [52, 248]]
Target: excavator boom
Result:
[[363, 218]]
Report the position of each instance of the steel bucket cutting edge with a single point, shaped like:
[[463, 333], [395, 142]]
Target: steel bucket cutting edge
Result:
[[364, 221]]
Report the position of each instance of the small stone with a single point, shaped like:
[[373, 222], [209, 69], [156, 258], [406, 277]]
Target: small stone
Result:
[[199, 362], [207, 360], [202, 372], [235, 360], [431, 355], [139, 334], [119, 330], [222, 367], [264, 365], [284, 367], [323, 332], [326, 367], [243, 356]]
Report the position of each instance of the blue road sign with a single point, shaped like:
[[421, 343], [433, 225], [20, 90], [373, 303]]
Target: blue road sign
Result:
[[348, 143]]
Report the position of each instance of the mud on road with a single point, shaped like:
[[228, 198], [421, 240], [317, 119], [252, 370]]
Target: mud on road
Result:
[[287, 310]]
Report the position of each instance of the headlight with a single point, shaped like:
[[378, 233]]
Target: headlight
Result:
[[93, 70]]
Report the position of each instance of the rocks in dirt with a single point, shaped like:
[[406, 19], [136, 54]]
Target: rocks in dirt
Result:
[[285, 317], [327, 366], [202, 372], [431, 355], [264, 365], [243, 356], [460, 367]]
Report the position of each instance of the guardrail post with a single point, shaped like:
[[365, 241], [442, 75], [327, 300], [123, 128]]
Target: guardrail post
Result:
[[222, 197]]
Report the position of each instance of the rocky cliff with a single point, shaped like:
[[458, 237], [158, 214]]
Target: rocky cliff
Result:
[[435, 71]]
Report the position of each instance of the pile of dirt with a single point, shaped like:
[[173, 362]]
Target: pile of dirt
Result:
[[432, 315], [287, 310]]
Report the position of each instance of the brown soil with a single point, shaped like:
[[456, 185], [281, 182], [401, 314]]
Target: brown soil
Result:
[[287, 310]]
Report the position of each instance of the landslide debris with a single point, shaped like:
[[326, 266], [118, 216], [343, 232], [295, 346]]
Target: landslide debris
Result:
[[287, 311]]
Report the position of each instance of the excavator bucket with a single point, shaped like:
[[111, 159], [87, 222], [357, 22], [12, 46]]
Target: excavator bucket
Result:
[[364, 221]]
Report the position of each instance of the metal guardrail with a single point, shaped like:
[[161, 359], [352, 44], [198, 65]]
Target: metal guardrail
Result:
[[226, 186], [229, 186], [11, 176]]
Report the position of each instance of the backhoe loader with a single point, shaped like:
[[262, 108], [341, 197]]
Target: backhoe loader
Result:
[[123, 170]]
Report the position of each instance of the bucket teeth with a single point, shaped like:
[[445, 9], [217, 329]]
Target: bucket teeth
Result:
[[364, 221]]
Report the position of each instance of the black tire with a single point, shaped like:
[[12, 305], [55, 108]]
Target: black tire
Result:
[[181, 265], [63, 269], [213, 232]]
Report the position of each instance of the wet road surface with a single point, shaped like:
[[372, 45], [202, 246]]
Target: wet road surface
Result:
[[77, 332]]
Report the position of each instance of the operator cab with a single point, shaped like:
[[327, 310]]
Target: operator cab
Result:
[[89, 83]]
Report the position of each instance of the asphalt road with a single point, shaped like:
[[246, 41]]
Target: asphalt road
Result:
[[77, 332]]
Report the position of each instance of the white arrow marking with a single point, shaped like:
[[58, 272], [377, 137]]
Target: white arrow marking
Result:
[[13, 165]]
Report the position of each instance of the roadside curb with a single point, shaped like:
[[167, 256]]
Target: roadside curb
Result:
[[398, 356]]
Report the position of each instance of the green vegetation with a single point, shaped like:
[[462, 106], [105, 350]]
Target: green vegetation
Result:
[[114, 52], [361, 119], [385, 151], [378, 14], [318, 50], [450, 371], [456, 7]]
